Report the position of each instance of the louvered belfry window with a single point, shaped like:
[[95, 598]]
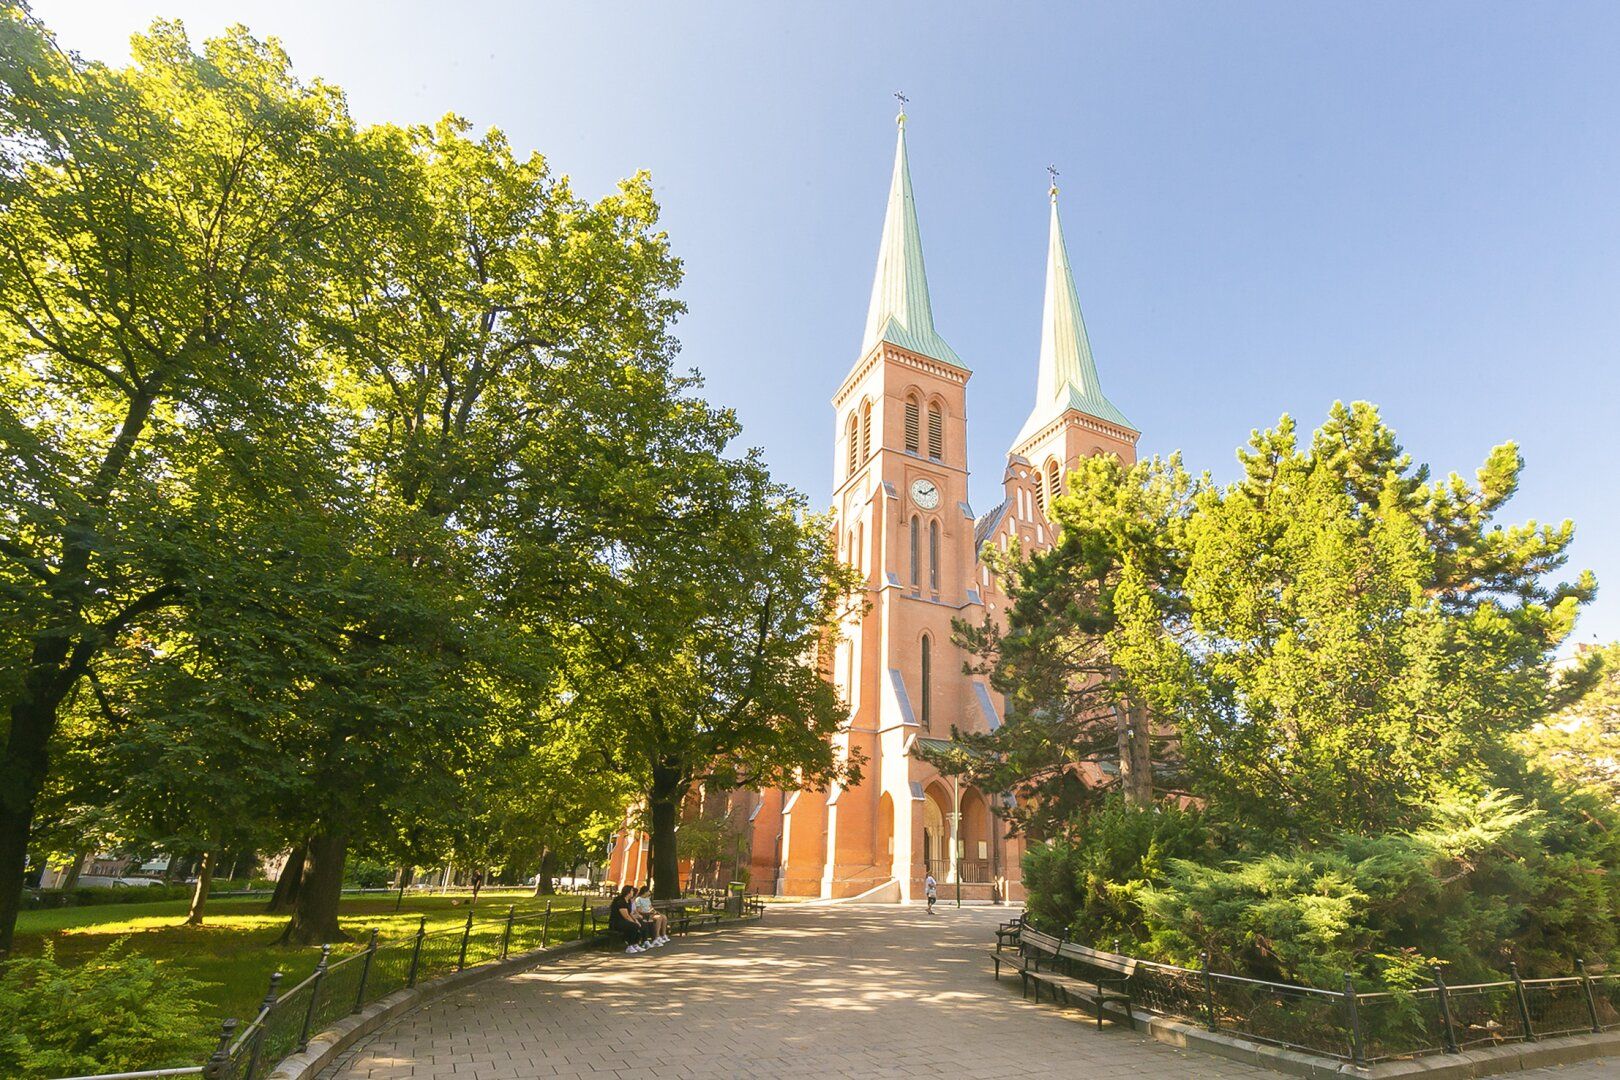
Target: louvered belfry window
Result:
[[854, 447], [913, 426], [936, 433], [866, 431]]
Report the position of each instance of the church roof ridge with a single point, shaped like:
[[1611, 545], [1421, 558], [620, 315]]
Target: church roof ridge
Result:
[[1068, 373], [900, 311]]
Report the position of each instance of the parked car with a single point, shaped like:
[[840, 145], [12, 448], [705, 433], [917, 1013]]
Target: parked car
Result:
[[97, 881]]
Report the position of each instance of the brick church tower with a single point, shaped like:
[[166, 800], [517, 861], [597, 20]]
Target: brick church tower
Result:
[[904, 520]]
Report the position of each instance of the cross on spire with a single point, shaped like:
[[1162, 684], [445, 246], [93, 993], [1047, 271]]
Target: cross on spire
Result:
[[1052, 171], [900, 96]]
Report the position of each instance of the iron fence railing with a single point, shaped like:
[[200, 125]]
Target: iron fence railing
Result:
[[1358, 1026], [288, 1018]]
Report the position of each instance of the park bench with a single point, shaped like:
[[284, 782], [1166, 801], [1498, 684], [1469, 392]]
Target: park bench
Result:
[[1072, 972], [1007, 933], [683, 918]]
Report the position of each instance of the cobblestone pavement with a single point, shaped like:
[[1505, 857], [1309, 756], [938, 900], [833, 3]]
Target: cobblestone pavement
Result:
[[810, 992]]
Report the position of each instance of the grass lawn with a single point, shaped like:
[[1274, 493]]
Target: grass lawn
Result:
[[235, 951]]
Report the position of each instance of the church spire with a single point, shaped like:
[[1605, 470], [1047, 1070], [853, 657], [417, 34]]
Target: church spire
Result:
[[900, 312], [1068, 375]]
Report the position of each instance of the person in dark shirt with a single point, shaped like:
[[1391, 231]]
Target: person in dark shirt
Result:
[[622, 919]]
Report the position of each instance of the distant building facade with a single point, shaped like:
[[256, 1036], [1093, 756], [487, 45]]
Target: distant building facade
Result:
[[904, 521]]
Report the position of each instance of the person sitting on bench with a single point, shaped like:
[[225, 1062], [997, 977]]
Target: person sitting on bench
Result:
[[622, 919], [651, 916]]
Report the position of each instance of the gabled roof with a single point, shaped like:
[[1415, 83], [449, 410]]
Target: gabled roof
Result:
[[900, 312], [985, 527], [1068, 374]]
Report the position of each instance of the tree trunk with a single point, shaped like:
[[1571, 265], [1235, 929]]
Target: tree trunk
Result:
[[70, 874], [292, 875], [544, 884], [199, 896], [22, 775], [243, 865], [315, 914], [1135, 755], [664, 808]]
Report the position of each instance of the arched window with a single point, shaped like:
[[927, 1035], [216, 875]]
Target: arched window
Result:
[[936, 432], [916, 536], [858, 556], [1040, 494], [933, 555], [927, 681], [866, 431], [1054, 480], [913, 425], [854, 445]]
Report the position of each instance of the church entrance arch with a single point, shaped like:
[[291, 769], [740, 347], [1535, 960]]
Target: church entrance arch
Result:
[[976, 838]]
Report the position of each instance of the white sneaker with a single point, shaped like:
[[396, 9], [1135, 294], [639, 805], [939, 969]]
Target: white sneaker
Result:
[[633, 949]]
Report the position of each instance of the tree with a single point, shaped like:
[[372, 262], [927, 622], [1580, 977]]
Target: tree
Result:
[[1110, 582], [1364, 640], [703, 643], [498, 339], [1580, 744], [532, 802], [161, 236]]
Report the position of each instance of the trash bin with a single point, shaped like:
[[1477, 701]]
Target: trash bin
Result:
[[734, 898]]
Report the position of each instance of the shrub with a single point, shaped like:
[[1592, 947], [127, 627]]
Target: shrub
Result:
[[1486, 875], [88, 896], [116, 1011], [364, 873], [1091, 880]]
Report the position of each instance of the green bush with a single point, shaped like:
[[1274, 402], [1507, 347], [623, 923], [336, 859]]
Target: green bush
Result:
[[1487, 875], [41, 899], [363, 873], [1091, 881], [1536, 875], [116, 1011]]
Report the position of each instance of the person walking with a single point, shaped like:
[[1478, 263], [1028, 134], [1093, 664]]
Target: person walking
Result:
[[930, 890]]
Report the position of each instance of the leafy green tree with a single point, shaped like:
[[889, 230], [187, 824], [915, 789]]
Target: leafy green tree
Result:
[[533, 804], [1074, 714], [1363, 639], [500, 336], [1581, 743], [162, 238], [704, 634]]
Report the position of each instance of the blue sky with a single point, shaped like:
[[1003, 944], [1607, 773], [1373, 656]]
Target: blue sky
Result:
[[1269, 206]]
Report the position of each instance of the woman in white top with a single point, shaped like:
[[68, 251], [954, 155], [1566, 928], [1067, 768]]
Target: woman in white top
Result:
[[657, 920]]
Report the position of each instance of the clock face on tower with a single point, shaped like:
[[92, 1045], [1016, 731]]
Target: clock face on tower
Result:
[[924, 493]]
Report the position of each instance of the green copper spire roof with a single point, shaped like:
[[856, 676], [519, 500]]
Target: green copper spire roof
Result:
[[1068, 378], [900, 312]]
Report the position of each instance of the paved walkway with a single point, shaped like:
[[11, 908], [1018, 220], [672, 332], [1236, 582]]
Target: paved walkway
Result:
[[810, 992]]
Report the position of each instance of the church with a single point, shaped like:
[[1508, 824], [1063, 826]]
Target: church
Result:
[[904, 522]]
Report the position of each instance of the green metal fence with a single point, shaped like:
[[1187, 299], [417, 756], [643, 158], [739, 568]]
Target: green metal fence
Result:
[[288, 1018], [1346, 1024]]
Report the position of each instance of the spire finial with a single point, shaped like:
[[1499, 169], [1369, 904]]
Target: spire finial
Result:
[[900, 96], [1052, 171]]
